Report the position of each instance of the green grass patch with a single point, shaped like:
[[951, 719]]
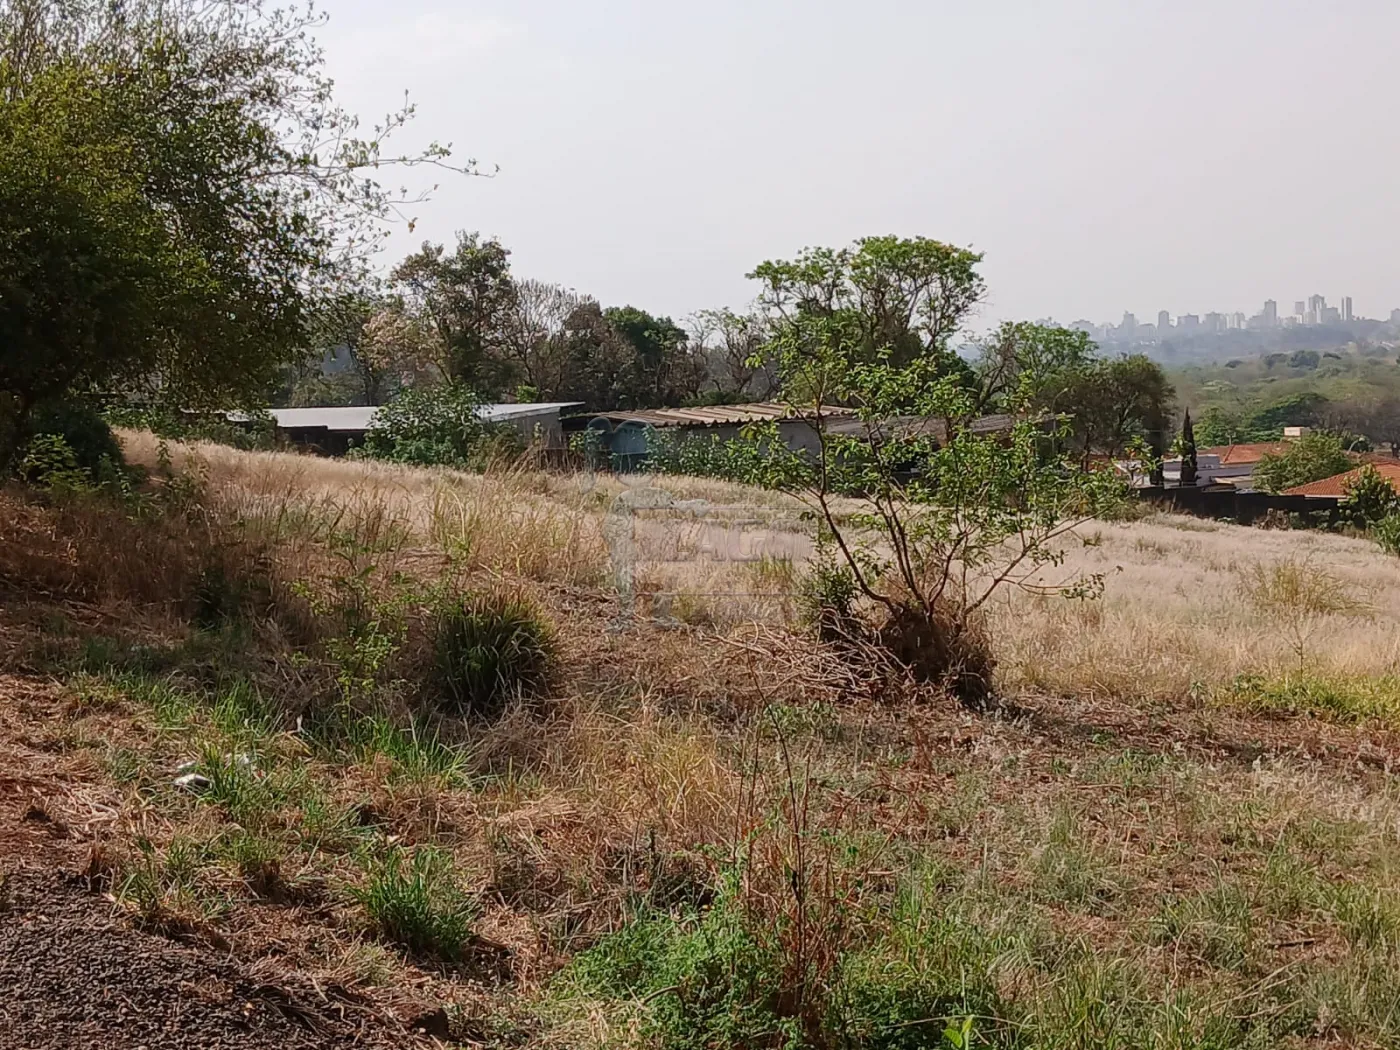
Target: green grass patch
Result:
[[1333, 697]]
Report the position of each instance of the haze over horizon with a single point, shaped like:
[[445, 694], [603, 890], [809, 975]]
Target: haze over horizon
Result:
[[1186, 156]]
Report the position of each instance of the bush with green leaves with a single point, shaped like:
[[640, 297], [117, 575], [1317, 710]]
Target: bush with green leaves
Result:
[[723, 978], [49, 463], [1386, 532], [944, 516], [1310, 458], [81, 426], [705, 456], [487, 649], [438, 426], [1370, 498]]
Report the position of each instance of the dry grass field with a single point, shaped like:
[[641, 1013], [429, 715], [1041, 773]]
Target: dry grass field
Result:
[[1177, 829]]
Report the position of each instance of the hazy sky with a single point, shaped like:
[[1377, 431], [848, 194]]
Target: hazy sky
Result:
[[1187, 155]]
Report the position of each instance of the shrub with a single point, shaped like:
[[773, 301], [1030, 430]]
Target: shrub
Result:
[[706, 456], [1386, 532], [487, 648], [1370, 498], [84, 431], [722, 979], [420, 904], [49, 462], [438, 426]]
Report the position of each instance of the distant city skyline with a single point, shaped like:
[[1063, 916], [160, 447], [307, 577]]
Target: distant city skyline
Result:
[[1314, 311]]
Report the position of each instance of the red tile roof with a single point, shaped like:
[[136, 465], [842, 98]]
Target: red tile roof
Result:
[[1236, 455], [1338, 484]]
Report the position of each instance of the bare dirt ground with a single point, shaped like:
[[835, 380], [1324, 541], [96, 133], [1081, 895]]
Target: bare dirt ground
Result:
[[74, 973], [74, 969]]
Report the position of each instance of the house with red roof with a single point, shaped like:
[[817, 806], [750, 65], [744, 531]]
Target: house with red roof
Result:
[[1339, 484]]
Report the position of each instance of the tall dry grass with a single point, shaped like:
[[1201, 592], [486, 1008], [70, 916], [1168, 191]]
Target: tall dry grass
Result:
[[1190, 603], [1180, 609]]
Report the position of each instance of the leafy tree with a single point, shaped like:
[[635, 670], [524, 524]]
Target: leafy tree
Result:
[[1033, 365], [436, 426], [91, 281], [884, 299], [661, 370], [1310, 458], [469, 297], [176, 183], [1299, 410], [941, 526], [1217, 427], [1112, 403], [597, 358]]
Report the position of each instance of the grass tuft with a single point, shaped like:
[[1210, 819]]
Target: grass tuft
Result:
[[420, 904], [487, 649]]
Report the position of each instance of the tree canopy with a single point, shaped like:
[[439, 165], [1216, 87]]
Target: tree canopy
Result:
[[1310, 458], [178, 188]]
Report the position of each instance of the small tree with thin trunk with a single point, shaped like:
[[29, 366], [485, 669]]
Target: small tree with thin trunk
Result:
[[928, 526]]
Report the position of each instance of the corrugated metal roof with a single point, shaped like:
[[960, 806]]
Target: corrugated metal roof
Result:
[[929, 426], [496, 413], [356, 419], [353, 418], [1338, 484], [718, 415]]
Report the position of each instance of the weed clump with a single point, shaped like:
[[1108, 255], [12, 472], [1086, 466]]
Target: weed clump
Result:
[[486, 649], [420, 904]]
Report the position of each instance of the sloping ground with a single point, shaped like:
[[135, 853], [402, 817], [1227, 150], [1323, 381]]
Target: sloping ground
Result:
[[1178, 831]]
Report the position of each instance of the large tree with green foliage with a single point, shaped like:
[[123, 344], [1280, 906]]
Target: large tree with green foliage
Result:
[[1310, 458], [1117, 401], [470, 297], [884, 299], [662, 370], [177, 186]]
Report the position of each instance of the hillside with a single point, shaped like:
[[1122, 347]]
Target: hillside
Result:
[[1175, 829], [1289, 385]]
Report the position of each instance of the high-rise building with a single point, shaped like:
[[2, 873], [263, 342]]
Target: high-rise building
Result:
[[1164, 323], [1270, 314], [1129, 325], [1330, 315], [1237, 320], [1300, 309], [1346, 308], [1317, 309], [1214, 322], [1188, 322]]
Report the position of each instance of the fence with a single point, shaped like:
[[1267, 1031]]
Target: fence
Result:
[[1245, 508]]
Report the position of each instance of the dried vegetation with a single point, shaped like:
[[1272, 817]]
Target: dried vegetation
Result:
[[684, 823]]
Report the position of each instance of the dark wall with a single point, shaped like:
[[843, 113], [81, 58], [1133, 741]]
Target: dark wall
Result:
[[1245, 508]]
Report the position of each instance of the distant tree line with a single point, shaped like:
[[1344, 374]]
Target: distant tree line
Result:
[[462, 317]]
